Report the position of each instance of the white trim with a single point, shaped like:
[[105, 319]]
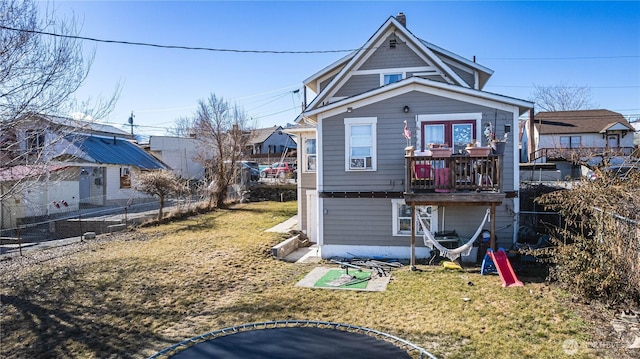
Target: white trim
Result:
[[425, 86], [394, 218], [391, 252], [402, 74], [393, 70], [474, 116], [391, 26], [350, 121]]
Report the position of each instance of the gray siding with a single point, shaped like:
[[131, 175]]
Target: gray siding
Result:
[[390, 143], [369, 221], [385, 57], [359, 222], [362, 222], [358, 84], [466, 76], [324, 83]]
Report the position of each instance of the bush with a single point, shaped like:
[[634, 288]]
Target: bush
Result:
[[596, 252]]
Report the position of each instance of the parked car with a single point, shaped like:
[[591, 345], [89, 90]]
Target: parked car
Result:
[[253, 168], [278, 169]]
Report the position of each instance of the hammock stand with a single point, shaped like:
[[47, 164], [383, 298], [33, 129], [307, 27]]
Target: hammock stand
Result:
[[451, 254]]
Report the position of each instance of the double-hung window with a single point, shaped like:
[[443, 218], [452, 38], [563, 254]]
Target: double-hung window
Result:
[[310, 154], [360, 140], [570, 141], [401, 214]]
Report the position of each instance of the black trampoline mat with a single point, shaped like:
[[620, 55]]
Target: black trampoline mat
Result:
[[293, 342]]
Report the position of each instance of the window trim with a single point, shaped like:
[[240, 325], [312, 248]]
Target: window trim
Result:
[[383, 74], [571, 144], [125, 177], [448, 119], [307, 156], [358, 121], [395, 230]]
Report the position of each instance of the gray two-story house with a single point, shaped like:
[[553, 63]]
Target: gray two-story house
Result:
[[361, 182]]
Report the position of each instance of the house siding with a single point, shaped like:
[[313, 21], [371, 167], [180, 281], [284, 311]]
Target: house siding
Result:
[[325, 83], [358, 84], [464, 75], [386, 58], [390, 149], [369, 221]]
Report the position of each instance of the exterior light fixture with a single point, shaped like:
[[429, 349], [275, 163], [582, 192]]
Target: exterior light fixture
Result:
[[406, 109], [507, 128], [349, 109]]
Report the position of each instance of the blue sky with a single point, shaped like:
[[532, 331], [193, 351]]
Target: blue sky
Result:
[[590, 44]]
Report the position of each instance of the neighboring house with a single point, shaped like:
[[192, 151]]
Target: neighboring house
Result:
[[360, 184], [180, 154], [574, 136], [269, 142], [61, 164]]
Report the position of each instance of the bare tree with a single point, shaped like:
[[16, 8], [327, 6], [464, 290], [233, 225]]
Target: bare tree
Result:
[[182, 127], [223, 133], [162, 183], [562, 97], [39, 75]]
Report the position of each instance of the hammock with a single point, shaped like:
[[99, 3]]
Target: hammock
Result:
[[452, 254]]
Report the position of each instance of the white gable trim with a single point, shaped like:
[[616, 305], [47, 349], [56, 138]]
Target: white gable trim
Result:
[[425, 86], [389, 27], [615, 127]]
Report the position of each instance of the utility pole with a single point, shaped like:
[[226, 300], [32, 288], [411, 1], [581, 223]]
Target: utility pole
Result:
[[131, 122]]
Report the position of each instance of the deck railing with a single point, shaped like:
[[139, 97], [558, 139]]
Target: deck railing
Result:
[[456, 173]]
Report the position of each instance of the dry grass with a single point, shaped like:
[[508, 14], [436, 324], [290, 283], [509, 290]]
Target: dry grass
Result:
[[145, 290]]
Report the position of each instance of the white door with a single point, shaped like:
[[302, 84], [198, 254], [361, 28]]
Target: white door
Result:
[[312, 213], [613, 141]]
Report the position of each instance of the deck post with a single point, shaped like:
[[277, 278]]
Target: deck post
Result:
[[413, 236], [493, 226]]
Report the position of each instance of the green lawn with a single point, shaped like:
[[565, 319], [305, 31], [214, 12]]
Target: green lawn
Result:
[[150, 288]]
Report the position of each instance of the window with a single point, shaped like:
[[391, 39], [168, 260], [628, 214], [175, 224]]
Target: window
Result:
[[391, 78], [125, 177], [35, 140], [570, 141], [310, 153], [360, 139], [402, 218], [455, 130]]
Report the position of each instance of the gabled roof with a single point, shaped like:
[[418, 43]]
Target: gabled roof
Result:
[[434, 54], [580, 121], [262, 134], [420, 85], [115, 151]]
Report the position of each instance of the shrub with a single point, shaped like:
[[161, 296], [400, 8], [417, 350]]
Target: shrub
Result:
[[596, 251]]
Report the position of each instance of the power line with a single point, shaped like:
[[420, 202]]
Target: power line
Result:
[[134, 43], [173, 46]]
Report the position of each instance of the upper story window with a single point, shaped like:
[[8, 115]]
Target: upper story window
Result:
[[360, 140], [35, 140], [570, 141], [454, 130], [391, 78], [310, 155]]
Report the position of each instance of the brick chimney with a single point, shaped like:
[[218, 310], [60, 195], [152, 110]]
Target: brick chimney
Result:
[[402, 19]]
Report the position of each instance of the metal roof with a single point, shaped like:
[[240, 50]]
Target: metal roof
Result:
[[116, 151]]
